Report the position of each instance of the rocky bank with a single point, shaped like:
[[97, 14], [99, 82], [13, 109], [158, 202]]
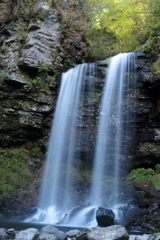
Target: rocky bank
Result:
[[116, 232]]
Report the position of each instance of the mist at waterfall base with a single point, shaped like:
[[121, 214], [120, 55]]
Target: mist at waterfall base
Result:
[[60, 202]]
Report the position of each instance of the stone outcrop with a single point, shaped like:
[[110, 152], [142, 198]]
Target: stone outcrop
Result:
[[31, 62], [147, 115], [27, 99]]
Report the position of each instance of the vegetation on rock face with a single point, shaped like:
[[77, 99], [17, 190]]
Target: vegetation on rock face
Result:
[[142, 176], [16, 168]]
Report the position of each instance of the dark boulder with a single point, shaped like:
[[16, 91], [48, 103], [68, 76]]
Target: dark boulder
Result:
[[105, 217]]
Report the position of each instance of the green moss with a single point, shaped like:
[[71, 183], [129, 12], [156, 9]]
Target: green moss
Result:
[[140, 174], [24, 193], [35, 82], [157, 168], [23, 35], [4, 48], [43, 69], [36, 152], [16, 168], [4, 74], [148, 146], [14, 171], [156, 181], [152, 46], [145, 176], [81, 175], [155, 68]]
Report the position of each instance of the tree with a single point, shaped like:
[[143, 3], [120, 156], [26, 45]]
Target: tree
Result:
[[130, 21]]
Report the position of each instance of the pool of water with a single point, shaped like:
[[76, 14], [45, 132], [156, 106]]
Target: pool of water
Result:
[[24, 225]]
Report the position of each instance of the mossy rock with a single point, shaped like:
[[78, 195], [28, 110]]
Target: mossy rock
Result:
[[142, 176], [16, 170]]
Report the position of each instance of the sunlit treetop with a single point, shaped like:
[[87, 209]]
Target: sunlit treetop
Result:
[[128, 20]]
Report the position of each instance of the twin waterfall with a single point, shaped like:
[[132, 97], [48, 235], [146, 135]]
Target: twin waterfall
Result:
[[65, 197]]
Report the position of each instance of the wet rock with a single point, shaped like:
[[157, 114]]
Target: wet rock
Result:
[[28, 234], [72, 233], [155, 236], [144, 106], [52, 230], [3, 234], [97, 233], [105, 217], [47, 237], [11, 232]]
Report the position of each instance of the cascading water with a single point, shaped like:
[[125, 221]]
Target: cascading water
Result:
[[57, 194], [59, 203], [115, 130]]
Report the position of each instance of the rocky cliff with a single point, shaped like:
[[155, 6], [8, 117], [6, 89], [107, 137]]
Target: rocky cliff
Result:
[[33, 55], [32, 58]]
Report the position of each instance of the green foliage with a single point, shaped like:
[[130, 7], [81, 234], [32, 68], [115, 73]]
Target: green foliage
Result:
[[35, 82], [13, 171], [81, 175], [99, 28], [4, 48], [129, 22], [148, 146], [152, 46], [43, 69], [36, 153], [141, 174], [99, 41], [156, 181], [157, 167], [145, 176], [4, 74], [156, 68]]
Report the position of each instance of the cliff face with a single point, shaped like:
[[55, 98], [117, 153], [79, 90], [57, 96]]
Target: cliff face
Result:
[[32, 59], [147, 137]]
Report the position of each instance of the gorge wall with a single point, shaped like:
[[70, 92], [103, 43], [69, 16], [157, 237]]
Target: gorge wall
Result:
[[32, 58]]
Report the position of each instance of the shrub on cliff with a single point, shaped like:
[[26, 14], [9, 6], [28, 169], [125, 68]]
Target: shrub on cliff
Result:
[[142, 176]]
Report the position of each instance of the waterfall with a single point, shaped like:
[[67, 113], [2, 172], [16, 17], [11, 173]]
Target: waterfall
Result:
[[57, 196], [72, 130], [115, 130]]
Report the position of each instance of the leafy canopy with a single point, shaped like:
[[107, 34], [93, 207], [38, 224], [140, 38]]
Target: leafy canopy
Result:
[[129, 21]]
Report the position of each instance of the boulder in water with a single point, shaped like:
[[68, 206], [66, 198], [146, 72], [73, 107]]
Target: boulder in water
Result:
[[116, 232], [3, 233], [54, 231], [105, 217], [28, 234]]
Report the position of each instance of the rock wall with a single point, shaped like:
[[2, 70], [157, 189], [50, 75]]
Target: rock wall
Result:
[[31, 61], [147, 137]]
